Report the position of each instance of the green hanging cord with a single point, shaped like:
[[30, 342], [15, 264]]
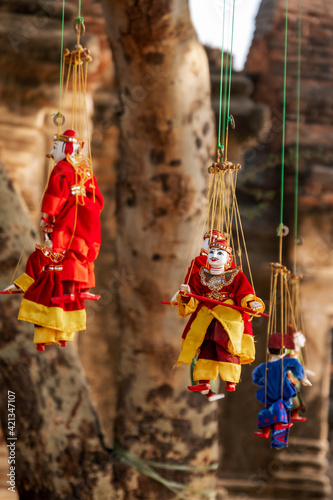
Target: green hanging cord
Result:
[[221, 83], [284, 115], [80, 19], [225, 99], [61, 55], [230, 66], [298, 122]]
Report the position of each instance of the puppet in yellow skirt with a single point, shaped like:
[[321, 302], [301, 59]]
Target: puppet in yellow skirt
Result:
[[214, 332]]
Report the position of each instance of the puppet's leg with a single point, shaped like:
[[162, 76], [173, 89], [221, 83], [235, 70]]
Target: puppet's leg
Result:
[[44, 336], [263, 432]]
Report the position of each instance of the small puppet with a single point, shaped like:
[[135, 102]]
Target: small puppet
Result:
[[276, 390], [298, 404], [215, 332], [54, 323], [71, 208]]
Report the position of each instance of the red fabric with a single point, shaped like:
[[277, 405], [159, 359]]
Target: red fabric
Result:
[[215, 345], [276, 340], [199, 261], [238, 288], [47, 283], [77, 225]]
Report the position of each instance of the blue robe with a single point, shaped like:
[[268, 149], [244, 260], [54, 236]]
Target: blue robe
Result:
[[278, 403]]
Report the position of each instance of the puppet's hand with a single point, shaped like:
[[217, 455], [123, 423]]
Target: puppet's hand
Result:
[[306, 381], [11, 288], [45, 221], [174, 298], [254, 305], [185, 288]]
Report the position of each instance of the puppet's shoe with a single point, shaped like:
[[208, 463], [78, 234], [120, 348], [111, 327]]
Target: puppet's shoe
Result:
[[298, 418], [63, 343], [211, 396], [89, 296], [280, 427], [40, 347], [295, 417], [230, 387], [262, 433], [63, 299], [199, 387]]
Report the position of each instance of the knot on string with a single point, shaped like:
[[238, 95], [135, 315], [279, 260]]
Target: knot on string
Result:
[[282, 230], [232, 122], [224, 166]]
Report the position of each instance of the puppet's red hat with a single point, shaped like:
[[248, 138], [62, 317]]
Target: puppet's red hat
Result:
[[69, 136], [279, 340], [213, 234], [222, 244]]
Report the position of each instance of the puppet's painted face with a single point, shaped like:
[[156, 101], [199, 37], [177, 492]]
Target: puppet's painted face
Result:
[[58, 151], [217, 257], [299, 340]]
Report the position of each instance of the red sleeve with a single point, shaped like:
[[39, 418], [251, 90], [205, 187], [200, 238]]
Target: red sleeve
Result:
[[35, 264], [98, 196], [241, 287], [58, 189], [195, 283], [199, 261]]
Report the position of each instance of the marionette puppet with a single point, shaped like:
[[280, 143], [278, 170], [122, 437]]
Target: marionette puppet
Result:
[[215, 332], [298, 404], [277, 390], [71, 206], [54, 323]]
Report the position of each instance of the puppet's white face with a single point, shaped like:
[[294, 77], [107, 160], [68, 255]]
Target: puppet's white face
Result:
[[217, 257], [299, 340], [58, 151]]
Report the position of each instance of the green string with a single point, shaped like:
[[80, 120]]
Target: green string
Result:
[[62, 50], [284, 112], [221, 82], [298, 116], [225, 98], [230, 67]]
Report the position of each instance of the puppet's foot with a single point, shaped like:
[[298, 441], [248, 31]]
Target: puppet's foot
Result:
[[211, 396], [63, 299], [230, 387], [40, 347], [200, 387], [63, 343], [89, 296], [295, 417], [280, 427], [263, 432]]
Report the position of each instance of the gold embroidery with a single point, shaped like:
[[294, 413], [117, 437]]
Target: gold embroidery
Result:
[[216, 282]]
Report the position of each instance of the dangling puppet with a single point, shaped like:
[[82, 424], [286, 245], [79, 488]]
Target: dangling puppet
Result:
[[54, 323], [72, 205], [276, 389], [215, 332], [298, 404]]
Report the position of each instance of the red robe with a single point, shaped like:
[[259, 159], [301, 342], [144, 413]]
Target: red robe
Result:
[[77, 227], [195, 266], [40, 282], [215, 332]]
